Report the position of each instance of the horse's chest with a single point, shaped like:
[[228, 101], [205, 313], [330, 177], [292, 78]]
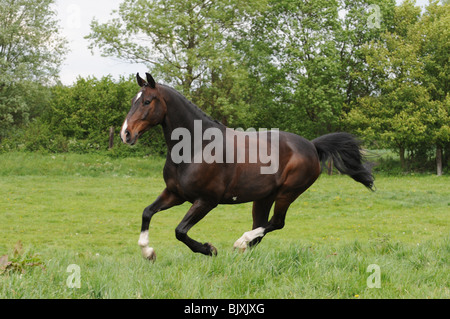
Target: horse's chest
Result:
[[177, 182]]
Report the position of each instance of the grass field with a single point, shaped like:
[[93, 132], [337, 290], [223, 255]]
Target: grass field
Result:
[[86, 210]]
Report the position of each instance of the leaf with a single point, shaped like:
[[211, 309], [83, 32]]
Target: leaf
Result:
[[3, 261], [18, 249], [4, 264]]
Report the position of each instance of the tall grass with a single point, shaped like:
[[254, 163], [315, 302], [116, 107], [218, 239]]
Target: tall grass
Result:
[[86, 210], [274, 270]]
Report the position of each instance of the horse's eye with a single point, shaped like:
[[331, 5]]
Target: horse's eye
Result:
[[147, 102]]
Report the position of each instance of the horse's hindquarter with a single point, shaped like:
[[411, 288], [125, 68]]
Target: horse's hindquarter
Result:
[[302, 167], [297, 168]]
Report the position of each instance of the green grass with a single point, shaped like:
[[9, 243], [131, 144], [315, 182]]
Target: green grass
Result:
[[86, 210]]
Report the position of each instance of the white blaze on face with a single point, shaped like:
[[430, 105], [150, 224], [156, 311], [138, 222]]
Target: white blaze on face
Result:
[[123, 131]]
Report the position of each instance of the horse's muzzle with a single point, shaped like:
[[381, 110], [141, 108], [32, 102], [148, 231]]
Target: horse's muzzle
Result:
[[127, 136], [128, 139]]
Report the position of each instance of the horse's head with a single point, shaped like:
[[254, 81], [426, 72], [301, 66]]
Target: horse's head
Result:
[[148, 109]]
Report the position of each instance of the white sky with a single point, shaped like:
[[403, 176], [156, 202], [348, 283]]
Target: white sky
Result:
[[75, 18]]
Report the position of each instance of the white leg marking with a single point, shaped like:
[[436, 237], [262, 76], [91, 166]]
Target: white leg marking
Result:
[[242, 242], [143, 239], [147, 252]]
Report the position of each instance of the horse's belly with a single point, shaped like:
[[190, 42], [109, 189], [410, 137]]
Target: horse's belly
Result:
[[248, 186]]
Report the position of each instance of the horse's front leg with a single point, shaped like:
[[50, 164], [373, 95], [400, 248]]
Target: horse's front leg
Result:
[[164, 201], [198, 210]]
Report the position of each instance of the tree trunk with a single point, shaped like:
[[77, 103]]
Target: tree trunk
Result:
[[402, 157], [111, 137], [439, 160]]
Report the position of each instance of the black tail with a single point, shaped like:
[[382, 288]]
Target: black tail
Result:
[[345, 150]]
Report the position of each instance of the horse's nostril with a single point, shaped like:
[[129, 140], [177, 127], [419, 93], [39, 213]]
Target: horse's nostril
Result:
[[128, 136]]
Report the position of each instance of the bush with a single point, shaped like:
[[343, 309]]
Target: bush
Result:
[[78, 119]]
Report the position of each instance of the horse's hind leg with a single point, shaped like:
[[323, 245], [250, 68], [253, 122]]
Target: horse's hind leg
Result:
[[279, 214], [261, 210], [282, 202], [198, 210]]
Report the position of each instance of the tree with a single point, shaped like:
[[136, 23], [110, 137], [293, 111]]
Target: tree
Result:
[[309, 57], [31, 52], [407, 108], [187, 44], [432, 34], [362, 21]]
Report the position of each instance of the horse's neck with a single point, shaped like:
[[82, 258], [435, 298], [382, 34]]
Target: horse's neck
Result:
[[183, 114]]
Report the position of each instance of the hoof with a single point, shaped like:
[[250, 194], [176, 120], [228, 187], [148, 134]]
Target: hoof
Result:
[[240, 245], [212, 249], [149, 254], [239, 249]]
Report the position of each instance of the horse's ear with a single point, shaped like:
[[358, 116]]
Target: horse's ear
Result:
[[150, 80], [140, 80]]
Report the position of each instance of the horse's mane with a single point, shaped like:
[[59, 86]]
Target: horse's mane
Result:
[[187, 103]]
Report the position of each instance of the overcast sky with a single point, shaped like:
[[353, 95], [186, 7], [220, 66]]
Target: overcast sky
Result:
[[75, 18]]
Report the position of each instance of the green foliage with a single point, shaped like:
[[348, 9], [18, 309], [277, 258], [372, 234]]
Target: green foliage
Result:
[[407, 109], [19, 260], [88, 108], [191, 48], [31, 52], [78, 119], [309, 67], [307, 57]]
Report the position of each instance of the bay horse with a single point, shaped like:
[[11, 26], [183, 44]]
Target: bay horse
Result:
[[206, 184]]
